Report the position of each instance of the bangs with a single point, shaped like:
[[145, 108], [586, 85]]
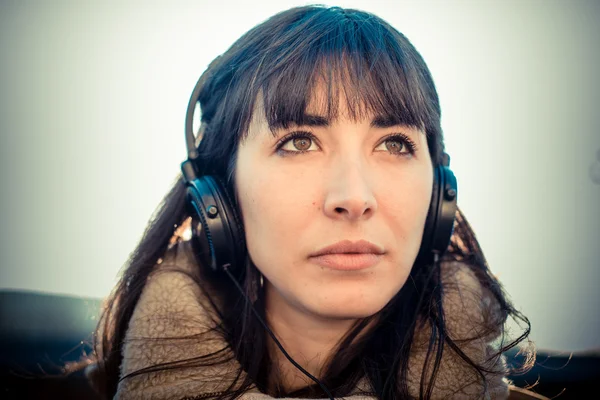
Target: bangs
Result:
[[321, 61], [346, 59]]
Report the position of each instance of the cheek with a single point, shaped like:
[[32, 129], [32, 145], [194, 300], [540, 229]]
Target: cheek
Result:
[[274, 210], [405, 206], [420, 200], [419, 204]]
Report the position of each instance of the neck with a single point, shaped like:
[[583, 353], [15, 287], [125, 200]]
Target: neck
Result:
[[308, 338]]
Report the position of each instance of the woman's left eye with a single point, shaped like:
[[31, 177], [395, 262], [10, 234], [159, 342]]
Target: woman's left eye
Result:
[[399, 144]]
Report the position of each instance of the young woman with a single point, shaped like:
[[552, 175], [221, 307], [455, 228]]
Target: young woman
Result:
[[327, 256]]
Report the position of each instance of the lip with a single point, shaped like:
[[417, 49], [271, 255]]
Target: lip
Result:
[[347, 262], [348, 256], [347, 246]]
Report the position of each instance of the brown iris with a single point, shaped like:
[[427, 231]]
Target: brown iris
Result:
[[302, 144], [395, 146]]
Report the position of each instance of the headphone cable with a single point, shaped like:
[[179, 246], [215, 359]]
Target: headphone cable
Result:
[[270, 332]]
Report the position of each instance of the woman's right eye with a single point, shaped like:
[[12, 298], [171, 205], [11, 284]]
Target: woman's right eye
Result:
[[296, 143]]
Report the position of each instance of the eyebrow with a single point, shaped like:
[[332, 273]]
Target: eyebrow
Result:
[[320, 121]]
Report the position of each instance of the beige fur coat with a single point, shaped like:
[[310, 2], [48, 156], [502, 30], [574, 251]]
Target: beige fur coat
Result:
[[172, 305]]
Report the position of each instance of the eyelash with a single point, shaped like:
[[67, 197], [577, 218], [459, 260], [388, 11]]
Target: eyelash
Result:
[[409, 143]]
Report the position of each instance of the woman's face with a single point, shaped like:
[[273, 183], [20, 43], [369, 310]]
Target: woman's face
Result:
[[353, 182]]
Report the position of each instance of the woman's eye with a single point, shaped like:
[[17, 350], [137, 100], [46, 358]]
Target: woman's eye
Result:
[[296, 143], [302, 142], [399, 145]]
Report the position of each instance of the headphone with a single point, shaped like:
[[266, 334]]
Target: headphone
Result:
[[218, 233]]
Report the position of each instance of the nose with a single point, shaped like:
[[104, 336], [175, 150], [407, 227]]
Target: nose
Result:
[[349, 194]]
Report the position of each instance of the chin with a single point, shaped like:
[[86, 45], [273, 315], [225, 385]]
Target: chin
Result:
[[354, 298], [348, 307]]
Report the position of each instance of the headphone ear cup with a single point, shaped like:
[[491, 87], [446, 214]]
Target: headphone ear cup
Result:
[[446, 216], [218, 235], [202, 242], [439, 224], [236, 225], [431, 219]]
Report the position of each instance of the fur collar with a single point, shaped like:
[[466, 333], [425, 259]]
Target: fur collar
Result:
[[172, 305]]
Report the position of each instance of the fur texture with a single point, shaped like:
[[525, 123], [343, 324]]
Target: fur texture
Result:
[[172, 305]]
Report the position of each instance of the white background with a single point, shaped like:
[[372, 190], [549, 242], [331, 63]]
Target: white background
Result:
[[92, 105]]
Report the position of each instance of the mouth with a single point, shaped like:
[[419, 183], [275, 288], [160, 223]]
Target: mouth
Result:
[[350, 247], [347, 261]]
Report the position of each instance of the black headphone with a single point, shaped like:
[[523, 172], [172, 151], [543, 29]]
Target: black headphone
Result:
[[218, 233]]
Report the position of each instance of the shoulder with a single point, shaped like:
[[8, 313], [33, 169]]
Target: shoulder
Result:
[[176, 299], [470, 307], [174, 321], [174, 290], [473, 320]]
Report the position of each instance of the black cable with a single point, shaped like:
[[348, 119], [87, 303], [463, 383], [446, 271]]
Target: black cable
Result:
[[294, 363]]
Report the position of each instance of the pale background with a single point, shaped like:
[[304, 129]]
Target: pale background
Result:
[[92, 104]]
